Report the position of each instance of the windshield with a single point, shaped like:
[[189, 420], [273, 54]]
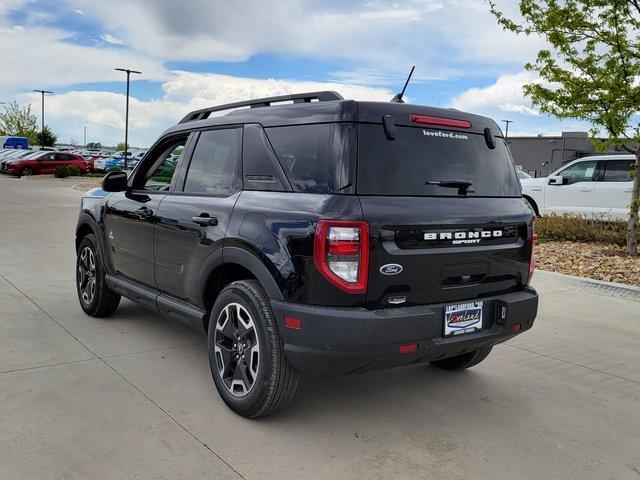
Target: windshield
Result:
[[418, 155]]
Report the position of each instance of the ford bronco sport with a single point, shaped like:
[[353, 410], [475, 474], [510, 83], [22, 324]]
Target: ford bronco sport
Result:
[[311, 234]]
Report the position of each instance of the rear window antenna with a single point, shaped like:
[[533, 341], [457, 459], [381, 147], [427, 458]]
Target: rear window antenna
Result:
[[398, 97]]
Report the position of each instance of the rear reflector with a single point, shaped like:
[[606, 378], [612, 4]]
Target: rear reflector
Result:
[[292, 322], [440, 121], [408, 348], [516, 327]]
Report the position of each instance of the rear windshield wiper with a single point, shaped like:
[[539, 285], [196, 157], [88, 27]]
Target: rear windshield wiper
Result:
[[461, 185]]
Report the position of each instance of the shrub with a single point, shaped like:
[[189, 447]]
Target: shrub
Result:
[[61, 172], [114, 169], [581, 229], [73, 171]]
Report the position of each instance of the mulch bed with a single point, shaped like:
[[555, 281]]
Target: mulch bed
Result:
[[606, 262]]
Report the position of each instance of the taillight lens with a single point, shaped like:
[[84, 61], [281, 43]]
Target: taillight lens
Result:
[[341, 253], [532, 260]]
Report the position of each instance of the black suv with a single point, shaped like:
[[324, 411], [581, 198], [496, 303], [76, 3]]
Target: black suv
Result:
[[320, 236]]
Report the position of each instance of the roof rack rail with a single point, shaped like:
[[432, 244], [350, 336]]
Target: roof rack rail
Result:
[[264, 102]]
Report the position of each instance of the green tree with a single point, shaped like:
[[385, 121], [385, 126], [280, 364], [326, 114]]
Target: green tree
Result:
[[94, 145], [46, 138], [590, 71], [120, 147], [20, 121]]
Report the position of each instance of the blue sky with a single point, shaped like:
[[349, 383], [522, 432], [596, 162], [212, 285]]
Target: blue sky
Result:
[[204, 52]]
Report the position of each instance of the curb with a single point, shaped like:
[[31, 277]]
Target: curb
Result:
[[619, 290]]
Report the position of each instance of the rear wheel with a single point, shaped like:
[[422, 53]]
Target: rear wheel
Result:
[[26, 172], [466, 360], [247, 361], [96, 298]]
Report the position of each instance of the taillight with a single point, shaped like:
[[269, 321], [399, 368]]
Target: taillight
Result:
[[341, 253], [532, 260], [440, 121]]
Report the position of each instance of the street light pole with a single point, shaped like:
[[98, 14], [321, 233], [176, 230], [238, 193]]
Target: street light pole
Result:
[[43, 93], [506, 132], [85, 137], [126, 114]]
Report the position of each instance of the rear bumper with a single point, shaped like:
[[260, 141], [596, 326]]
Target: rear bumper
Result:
[[333, 341]]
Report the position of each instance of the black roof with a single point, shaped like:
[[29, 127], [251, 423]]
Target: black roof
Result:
[[323, 107]]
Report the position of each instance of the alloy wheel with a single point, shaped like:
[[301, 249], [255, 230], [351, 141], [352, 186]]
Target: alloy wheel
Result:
[[87, 275], [237, 349]]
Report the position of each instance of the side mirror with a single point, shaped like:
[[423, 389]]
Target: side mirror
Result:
[[555, 180], [115, 182]]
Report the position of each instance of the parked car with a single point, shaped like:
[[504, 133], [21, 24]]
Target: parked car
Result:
[[14, 142], [14, 152], [598, 186], [13, 155], [43, 162], [101, 164], [323, 236]]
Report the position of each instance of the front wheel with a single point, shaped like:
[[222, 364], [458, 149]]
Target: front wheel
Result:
[[466, 360], [96, 298], [248, 364], [26, 172]]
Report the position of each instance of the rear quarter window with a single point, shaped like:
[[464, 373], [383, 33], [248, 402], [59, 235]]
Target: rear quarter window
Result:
[[316, 158]]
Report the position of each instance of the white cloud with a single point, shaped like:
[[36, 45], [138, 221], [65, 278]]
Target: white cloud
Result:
[[434, 34], [79, 12], [522, 109], [46, 60], [103, 112], [112, 39], [504, 95]]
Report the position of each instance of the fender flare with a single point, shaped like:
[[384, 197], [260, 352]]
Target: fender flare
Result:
[[85, 219], [257, 267]]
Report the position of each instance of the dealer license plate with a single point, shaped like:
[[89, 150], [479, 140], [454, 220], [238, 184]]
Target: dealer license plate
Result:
[[462, 318]]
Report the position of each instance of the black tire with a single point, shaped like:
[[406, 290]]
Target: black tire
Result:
[[26, 172], [274, 382], [466, 360], [102, 301]]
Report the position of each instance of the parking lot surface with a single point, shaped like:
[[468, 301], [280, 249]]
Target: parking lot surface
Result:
[[131, 396]]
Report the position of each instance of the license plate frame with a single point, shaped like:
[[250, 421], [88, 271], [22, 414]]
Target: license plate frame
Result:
[[462, 318]]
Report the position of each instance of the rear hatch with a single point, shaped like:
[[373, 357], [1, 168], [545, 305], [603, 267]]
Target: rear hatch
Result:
[[435, 243]]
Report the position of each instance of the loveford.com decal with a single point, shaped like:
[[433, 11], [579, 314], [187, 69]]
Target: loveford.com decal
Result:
[[440, 133]]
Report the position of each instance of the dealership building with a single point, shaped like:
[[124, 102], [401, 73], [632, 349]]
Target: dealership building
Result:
[[539, 156]]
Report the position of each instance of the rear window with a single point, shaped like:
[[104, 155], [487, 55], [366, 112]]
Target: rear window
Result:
[[316, 158], [419, 155]]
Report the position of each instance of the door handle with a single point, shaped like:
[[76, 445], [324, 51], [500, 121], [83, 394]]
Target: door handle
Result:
[[585, 189], [144, 212], [627, 190], [205, 220]]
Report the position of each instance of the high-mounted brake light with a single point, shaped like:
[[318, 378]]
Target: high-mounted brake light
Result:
[[341, 253], [440, 121]]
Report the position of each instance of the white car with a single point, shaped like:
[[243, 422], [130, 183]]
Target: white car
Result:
[[598, 186]]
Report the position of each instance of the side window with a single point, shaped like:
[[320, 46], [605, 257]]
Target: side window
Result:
[[618, 170], [213, 165], [578, 172], [161, 172], [316, 158]]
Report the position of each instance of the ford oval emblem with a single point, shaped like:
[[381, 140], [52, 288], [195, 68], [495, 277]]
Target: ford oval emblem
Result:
[[390, 269]]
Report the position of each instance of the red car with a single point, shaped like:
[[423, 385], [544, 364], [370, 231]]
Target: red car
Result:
[[44, 162]]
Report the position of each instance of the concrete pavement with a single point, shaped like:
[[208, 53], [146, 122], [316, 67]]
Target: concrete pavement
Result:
[[131, 396]]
